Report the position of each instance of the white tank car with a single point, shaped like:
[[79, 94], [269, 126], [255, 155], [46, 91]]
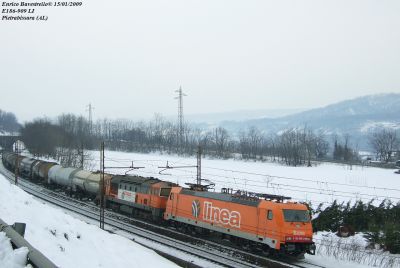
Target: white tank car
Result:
[[87, 182], [61, 176], [79, 180]]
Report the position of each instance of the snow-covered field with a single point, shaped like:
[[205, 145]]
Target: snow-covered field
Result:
[[352, 251], [322, 183], [67, 241]]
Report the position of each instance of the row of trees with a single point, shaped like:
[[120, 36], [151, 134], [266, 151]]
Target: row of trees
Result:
[[342, 151], [295, 146], [379, 223], [62, 141]]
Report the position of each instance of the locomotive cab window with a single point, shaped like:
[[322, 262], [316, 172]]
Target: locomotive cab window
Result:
[[270, 215], [165, 192], [292, 215], [171, 196], [114, 186]]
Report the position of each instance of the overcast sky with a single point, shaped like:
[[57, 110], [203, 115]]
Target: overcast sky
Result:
[[127, 57]]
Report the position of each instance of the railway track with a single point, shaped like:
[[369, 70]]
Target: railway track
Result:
[[212, 252]]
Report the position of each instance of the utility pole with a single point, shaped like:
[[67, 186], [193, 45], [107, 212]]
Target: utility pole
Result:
[[82, 156], [180, 117], [197, 185], [90, 109], [102, 186], [199, 166], [16, 161]]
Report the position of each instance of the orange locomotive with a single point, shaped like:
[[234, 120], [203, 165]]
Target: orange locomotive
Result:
[[137, 195], [271, 224], [250, 221]]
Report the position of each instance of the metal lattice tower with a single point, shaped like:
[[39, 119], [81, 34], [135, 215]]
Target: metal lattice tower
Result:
[[90, 109], [180, 116]]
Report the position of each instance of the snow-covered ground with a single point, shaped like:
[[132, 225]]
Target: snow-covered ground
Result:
[[322, 183], [352, 249], [9, 257], [7, 133], [67, 241]]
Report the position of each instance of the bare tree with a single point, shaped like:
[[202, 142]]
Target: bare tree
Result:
[[221, 139], [321, 146], [384, 143]]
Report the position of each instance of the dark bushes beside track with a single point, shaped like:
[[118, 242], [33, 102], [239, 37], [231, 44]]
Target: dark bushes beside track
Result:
[[381, 224]]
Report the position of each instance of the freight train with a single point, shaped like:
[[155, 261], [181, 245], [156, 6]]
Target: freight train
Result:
[[269, 223]]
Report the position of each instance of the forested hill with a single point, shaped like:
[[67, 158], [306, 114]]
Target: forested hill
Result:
[[357, 118]]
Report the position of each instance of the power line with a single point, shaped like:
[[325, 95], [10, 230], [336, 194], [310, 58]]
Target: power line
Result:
[[305, 180], [290, 178], [294, 188], [289, 187], [327, 192]]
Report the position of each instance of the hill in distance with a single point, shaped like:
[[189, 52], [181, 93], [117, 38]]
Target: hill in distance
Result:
[[357, 117]]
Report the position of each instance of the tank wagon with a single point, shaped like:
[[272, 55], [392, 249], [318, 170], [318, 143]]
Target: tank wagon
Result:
[[267, 222], [85, 183], [26, 166], [40, 170], [74, 180], [61, 176], [10, 160]]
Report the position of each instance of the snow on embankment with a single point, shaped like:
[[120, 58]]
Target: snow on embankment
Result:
[[8, 256], [67, 241], [353, 251]]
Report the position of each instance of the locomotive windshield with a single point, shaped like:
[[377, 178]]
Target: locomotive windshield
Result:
[[165, 192], [292, 215]]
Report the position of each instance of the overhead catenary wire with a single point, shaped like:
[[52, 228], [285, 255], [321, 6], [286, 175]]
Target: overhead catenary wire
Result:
[[291, 178], [308, 180], [325, 191], [180, 161], [280, 186]]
